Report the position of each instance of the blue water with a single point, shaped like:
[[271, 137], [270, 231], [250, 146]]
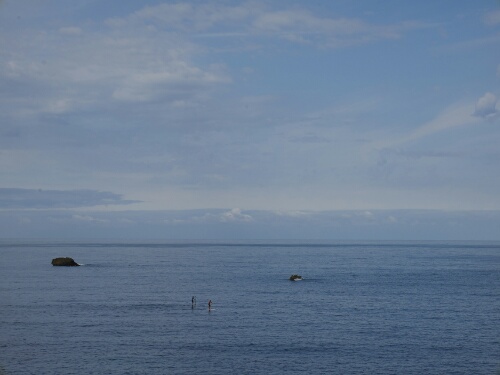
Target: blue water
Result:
[[362, 308]]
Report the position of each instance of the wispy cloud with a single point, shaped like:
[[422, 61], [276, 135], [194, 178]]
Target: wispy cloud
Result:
[[13, 198], [253, 19], [195, 17], [456, 115], [85, 70], [473, 43], [301, 26], [175, 83]]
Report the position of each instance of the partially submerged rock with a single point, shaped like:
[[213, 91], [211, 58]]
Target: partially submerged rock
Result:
[[66, 262], [295, 277]]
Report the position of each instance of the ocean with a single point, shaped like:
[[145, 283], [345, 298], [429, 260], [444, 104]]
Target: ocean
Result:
[[361, 308]]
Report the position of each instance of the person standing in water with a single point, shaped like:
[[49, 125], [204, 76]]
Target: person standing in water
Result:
[[209, 304], [193, 302]]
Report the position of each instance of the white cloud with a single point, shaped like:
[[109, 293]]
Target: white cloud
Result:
[[235, 215], [129, 64], [89, 219], [215, 216], [486, 106]]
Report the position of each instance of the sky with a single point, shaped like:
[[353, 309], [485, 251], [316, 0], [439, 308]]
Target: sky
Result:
[[250, 119]]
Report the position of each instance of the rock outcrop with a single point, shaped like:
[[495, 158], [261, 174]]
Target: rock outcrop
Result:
[[66, 262], [295, 277]]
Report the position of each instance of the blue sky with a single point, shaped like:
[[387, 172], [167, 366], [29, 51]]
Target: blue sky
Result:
[[203, 115]]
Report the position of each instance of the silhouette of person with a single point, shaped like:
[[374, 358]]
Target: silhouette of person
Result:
[[209, 305], [193, 301]]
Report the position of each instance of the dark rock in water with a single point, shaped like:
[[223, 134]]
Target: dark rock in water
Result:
[[66, 262], [295, 277]]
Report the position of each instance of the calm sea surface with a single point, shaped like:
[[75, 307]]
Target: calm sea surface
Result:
[[362, 308]]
